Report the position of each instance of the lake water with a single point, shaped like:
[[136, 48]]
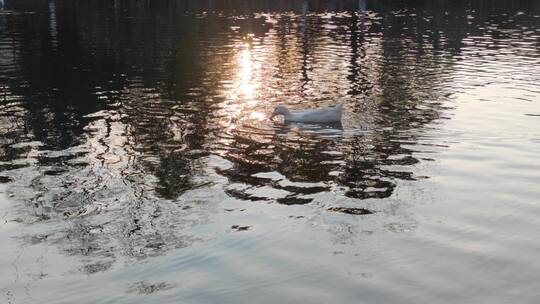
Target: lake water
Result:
[[138, 163]]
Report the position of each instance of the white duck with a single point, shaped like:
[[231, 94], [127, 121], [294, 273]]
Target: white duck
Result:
[[322, 115]]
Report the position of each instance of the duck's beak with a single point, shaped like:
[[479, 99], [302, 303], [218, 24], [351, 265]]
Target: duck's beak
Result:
[[272, 116]]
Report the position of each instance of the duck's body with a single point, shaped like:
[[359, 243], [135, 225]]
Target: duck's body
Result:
[[323, 115]]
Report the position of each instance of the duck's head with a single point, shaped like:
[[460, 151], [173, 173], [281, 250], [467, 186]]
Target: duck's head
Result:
[[280, 110]]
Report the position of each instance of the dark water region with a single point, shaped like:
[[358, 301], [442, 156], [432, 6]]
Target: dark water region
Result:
[[138, 163]]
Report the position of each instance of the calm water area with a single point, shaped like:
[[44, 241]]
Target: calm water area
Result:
[[138, 163]]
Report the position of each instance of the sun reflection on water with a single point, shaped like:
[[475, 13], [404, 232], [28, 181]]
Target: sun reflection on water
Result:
[[246, 86], [244, 92]]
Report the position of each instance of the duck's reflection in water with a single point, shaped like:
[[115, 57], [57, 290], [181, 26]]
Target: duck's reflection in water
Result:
[[327, 129]]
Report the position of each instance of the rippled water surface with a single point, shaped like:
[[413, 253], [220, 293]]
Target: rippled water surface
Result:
[[138, 163]]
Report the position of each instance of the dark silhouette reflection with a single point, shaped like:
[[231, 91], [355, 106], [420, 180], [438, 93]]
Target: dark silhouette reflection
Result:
[[323, 129], [109, 109], [297, 151], [364, 173]]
